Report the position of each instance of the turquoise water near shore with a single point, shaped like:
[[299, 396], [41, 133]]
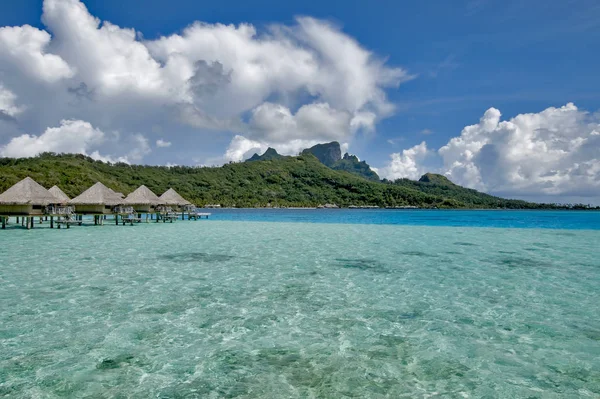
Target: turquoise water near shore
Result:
[[251, 309]]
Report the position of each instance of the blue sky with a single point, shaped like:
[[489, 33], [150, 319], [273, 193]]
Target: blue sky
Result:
[[464, 57]]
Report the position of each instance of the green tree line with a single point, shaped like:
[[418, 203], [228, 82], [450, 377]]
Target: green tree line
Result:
[[287, 181]]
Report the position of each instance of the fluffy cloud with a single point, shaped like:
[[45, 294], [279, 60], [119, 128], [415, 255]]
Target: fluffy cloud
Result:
[[553, 152], [241, 148], [139, 148], [77, 137], [23, 48], [72, 136], [289, 84], [160, 143], [8, 107], [408, 164]]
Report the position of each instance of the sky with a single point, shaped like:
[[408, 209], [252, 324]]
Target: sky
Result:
[[500, 96]]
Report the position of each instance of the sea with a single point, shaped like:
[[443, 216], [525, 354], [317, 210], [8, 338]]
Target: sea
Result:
[[286, 303]]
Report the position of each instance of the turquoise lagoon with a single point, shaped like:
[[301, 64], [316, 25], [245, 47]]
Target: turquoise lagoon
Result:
[[291, 304]]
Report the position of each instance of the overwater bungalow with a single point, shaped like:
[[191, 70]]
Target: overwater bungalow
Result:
[[173, 202], [97, 200], [61, 208], [59, 194], [26, 198], [173, 199], [143, 200]]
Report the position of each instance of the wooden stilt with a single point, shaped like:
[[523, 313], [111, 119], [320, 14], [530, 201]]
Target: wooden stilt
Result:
[[116, 219], [3, 222], [51, 222], [17, 220]]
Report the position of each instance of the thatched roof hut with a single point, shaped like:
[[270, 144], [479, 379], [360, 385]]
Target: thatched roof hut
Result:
[[27, 192], [171, 197], [143, 199], [120, 195], [59, 194], [26, 197], [96, 199]]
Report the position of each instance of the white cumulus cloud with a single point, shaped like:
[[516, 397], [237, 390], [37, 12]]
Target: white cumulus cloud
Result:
[[304, 82], [407, 164], [553, 152], [8, 106], [23, 48], [72, 136], [76, 137]]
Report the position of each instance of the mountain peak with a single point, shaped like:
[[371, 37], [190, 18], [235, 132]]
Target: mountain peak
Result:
[[270, 154], [436, 179], [328, 153]]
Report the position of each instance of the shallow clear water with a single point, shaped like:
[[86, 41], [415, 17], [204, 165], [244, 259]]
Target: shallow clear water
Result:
[[271, 310]]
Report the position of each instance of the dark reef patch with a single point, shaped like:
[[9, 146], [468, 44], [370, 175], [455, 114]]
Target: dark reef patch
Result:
[[398, 317], [372, 265], [117, 362], [564, 234], [172, 307], [417, 253], [520, 261], [541, 245], [465, 244], [190, 257]]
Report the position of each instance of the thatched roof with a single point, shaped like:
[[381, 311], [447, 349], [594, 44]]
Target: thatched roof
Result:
[[27, 192], [98, 194], [171, 197], [120, 195], [143, 196], [59, 194]]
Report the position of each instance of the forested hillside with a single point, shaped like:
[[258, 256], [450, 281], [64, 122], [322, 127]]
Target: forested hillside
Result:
[[286, 181]]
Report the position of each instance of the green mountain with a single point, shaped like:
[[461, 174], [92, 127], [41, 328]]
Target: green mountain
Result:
[[439, 180], [287, 181], [269, 155], [441, 186], [328, 153], [351, 164]]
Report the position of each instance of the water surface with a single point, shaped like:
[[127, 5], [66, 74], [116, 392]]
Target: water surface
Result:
[[252, 309]]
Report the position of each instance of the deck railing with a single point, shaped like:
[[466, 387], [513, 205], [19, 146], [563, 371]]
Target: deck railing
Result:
[[59, 210], [121, 210]]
